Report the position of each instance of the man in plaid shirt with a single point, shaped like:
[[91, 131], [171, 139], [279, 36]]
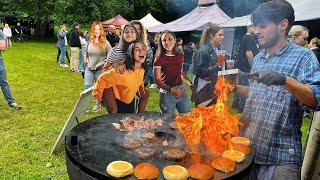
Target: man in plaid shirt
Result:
[[285, 79]]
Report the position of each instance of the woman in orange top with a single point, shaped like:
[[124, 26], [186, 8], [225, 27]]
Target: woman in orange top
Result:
[[116, 91]]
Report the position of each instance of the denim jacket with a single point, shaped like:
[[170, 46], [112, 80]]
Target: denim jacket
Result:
[[61, 38]]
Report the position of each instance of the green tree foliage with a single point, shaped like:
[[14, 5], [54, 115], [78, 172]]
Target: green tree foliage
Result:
[[86, 11]]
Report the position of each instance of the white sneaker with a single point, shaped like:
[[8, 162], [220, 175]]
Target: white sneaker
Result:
[[153, 86], [64, 65]]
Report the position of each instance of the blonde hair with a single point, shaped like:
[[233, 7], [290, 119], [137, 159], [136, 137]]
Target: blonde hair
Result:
[[297, 30], [209, 32], [315, 41], [103, 42]]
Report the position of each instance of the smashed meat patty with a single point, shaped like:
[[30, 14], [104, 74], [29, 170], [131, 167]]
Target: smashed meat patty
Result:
[[144, 152], [131, 144], [174, 154], [132, 124]]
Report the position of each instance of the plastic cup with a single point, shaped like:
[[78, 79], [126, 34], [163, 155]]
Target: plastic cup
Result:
[[221, 55], [230, 64]]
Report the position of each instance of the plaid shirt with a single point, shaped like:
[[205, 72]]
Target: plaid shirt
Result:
[[274, 115]]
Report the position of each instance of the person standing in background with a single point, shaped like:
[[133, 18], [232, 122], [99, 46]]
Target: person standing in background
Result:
[[8, 34], [314, 47], [248, 49], [3, 76], [81, 65], [206, 66], [62, 44], [97, 50], [299, 35], [18, 32], [180, 45], [75, 47], [188, 55], [112, 37]]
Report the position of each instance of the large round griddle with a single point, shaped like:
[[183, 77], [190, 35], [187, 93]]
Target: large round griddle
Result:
[[94, 143]]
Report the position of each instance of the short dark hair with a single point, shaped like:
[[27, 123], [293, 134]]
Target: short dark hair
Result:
[[274, 11]]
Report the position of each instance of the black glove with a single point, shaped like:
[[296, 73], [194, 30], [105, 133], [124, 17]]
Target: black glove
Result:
[[270, 77]]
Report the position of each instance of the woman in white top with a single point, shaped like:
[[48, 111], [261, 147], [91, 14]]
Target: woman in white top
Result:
[[7, 33]]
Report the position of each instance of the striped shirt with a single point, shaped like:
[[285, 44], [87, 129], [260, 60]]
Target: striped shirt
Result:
[[116, 55], [274, 115]]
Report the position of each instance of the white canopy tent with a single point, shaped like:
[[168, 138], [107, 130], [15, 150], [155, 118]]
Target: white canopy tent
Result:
[[303, 10], [306, 9], [199, 18], [149, 21], [237, 22]]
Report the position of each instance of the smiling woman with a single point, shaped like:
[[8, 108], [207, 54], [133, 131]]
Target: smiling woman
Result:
[[117, 91]]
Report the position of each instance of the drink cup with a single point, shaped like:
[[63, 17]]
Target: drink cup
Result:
[[221, 55], [230, 64]]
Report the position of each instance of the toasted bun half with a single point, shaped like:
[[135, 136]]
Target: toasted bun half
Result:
[[119, 169], [200, 171], [242, 148], [175, 172], [240, 140], [224, 164], [146, 171], [234, 155]]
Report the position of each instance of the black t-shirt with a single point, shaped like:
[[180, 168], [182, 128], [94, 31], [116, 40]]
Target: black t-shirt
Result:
[[113, 39], [248, 43]]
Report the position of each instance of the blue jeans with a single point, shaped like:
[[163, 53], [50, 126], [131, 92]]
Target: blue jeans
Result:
[[169, 103], [4, 83], [63, 50], [148, 75], [81, 66], [91, 76]]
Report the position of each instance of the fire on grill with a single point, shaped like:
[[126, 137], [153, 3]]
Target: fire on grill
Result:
[[209, 129]]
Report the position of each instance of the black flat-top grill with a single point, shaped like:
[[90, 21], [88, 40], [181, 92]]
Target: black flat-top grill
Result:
[[94, 143]]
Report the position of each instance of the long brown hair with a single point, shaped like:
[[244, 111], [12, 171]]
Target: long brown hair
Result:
[[103, 42], [122, 43], [161, 51], [209, 32], [143, 35]]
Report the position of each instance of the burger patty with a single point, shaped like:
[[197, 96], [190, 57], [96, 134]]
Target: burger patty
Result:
[[174, 154], [173, 125], [144, 152], [131, 144]]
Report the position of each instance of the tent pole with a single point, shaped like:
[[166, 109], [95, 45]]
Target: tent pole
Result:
[[312, 151]]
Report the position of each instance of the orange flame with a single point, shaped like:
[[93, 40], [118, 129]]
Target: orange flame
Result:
[[211, 124]]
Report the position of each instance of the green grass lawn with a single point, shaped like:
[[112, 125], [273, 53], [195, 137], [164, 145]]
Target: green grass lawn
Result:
[[47, 93]]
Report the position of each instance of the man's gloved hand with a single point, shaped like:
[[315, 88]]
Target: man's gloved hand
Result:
[[270, 77]]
